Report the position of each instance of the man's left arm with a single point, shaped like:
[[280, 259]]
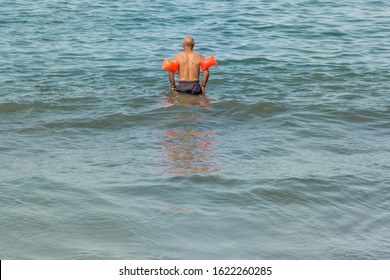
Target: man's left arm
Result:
[[206, 75]]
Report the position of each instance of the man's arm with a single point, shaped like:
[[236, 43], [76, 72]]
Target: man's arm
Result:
[[171, 76], [206, 75]]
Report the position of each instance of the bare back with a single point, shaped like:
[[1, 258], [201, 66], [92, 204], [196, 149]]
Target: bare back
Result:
[[188, 65]]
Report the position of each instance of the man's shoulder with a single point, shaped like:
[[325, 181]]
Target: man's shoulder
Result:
[[184, 56], [196, 54], [200, 56], [179, 55]]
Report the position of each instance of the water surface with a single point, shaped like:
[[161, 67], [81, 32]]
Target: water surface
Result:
[[288, 157]]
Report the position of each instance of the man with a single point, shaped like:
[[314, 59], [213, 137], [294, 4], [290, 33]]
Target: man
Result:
[[189, 71]]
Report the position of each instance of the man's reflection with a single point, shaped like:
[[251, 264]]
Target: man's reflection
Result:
[[188, 148]]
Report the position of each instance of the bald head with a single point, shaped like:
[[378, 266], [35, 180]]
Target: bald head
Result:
[[188, 41]]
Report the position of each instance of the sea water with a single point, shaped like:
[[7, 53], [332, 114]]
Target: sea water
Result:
[[287, 156]]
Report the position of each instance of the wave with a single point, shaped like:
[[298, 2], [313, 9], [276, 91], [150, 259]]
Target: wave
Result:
[[66, 103]]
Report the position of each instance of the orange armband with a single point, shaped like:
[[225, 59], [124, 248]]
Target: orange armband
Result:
[[170, 65], [208, 62]]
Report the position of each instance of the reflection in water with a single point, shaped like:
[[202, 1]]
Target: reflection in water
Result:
[[188, 151], [186, 100], [188, 148]]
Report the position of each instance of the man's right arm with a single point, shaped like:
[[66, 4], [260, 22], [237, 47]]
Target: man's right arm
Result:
[[171, 76]]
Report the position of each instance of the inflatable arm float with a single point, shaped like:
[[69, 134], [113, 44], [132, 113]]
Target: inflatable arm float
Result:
[[170, 65], [208, 62]]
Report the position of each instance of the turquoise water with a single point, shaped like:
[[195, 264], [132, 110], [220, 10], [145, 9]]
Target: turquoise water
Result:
[[288, 157]]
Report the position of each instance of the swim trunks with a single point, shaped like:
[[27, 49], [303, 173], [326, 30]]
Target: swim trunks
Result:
[[189, 87]]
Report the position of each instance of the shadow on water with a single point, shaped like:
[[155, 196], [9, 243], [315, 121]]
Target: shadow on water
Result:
[[187, 146]]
